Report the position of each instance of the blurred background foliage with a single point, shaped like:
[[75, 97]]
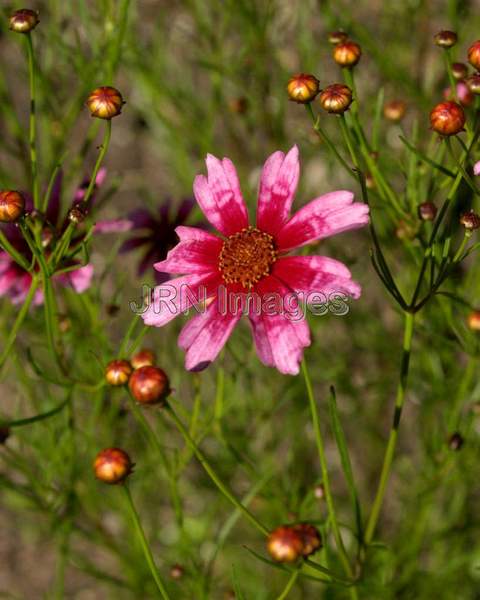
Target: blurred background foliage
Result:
[[209, 76]]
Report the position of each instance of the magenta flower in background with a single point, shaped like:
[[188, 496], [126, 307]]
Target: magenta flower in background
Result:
[[476, 168], [254, 260], [155, 233], [15, 281]]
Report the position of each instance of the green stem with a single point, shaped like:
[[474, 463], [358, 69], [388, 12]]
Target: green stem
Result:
[[19, 320], [291, 582], [17, 257], [392, 440], [325, 477], [212, 474], [144, 543], [348, 140], [32, 136]]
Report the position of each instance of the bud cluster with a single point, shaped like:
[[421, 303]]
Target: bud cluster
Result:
[[288, 543]]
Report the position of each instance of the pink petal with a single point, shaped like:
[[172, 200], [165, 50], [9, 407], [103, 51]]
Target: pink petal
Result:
[[80, 279], [315, 274], [113, 226], [205, 335], [8, 279], [278, 184], [326, 216], [219, 196], [197, 252], [280, 336], [174, 297], [476, 168]]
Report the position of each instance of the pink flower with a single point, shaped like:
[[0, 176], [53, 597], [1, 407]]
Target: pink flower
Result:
[[476, 168], [253, 261]]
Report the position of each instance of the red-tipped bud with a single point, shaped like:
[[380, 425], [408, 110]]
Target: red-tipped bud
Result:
[[149, 385], [445, 39], [24, 20], [347, 54], [302, 88], [105, 103], [177, 572], [311, 539], [143, 358], [427, 211], [284, 544], [473, 320], [447, 118], [470, 220], [118, 372], [394, 110], [112, 465], [473, 83], [337, 37], [76, 215], [474, 55], [459, 70], [455, 441], [12, 206], [336, 98]]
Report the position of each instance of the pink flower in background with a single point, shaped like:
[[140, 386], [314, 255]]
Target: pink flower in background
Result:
[[254, 259], [476, 168]]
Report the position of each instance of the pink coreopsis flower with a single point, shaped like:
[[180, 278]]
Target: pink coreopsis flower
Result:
[[253, 261], [476, 168]]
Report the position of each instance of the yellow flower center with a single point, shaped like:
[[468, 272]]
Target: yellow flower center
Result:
[[247, 257]]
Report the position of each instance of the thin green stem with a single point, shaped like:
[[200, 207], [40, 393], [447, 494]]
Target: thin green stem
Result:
[[32, 135], [17, 257], [348, 140], [212, 473], [392, 440], [325, 477], [290, 583], [145, 545]]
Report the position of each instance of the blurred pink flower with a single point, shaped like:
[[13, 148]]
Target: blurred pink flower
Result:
[[476, 168], [464, 94], [252, 260]]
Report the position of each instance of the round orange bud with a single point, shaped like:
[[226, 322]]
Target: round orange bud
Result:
[[336, 98], [445, 39], [118, 372], [284, 544], [310, 536], [474, 55], [337, 37], [112, 465], [12, 205], [302, 88], [473, 320], [143, 358], [427, 211], [24, 20], [473, 83], [105, 103], [459, 70], [447, 118], [394, 110], [470, 220], [347, 53], [149, 385]]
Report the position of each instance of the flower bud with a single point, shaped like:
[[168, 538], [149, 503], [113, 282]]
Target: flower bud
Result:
[[76, 215], [455, 441], [319, 491], [447, 118], [12, 206], [118, 372], [149, 385], [394, 110], [238, 105], [337, 37], [302, 88], [473, 83], [143, 358], [112, 465], [459, 70], [105, 103], [474, 55], [336, 98], [284, 544], [369, 181], [347, 54], [445, 39], [427, 211], [177, 572], [4, 434], [24, 20], [310, 536], [473, 320], [470, 220]]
